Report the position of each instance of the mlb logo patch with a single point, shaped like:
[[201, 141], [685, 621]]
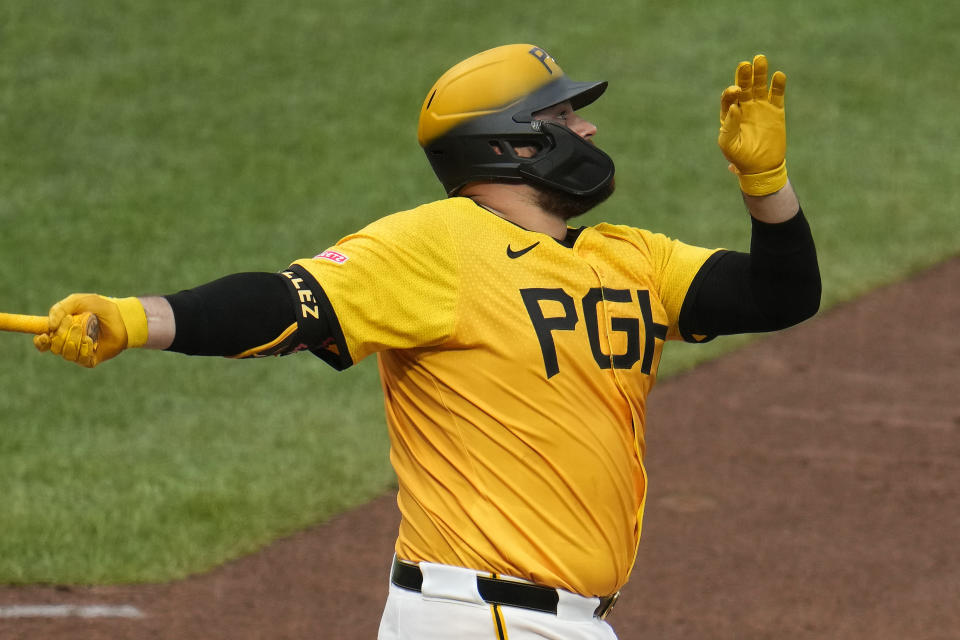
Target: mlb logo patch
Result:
[[332, 256]]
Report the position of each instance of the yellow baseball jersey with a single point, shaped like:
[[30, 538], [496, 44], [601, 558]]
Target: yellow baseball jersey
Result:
[[515, 374]]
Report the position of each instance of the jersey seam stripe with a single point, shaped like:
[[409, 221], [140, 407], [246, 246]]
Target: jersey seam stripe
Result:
[[637, 423], [636, 419]]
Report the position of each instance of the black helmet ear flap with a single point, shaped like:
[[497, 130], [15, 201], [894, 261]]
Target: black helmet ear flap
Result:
[[572, 165]]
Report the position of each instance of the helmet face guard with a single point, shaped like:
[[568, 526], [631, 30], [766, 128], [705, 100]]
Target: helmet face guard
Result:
[[564, 160], [480, 144], [572, 165]]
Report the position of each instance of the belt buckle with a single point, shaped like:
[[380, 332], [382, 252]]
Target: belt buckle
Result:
[[606, 607]]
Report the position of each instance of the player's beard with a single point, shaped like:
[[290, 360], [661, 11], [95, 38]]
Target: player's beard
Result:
[[567, 205]]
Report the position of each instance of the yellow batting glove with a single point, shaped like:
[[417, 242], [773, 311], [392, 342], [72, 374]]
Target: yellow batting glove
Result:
[[88, 329], [753, 131]]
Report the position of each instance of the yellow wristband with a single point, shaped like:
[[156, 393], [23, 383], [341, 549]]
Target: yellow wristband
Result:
[[763, 184], [134, 319]]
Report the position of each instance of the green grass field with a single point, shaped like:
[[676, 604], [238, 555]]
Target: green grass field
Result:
[[146, 147]]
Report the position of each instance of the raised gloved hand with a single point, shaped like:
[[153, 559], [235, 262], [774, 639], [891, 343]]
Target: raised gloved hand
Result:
[[753, 132], [88, 329]]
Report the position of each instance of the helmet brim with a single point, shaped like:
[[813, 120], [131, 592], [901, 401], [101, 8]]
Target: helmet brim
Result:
[[580, 94]]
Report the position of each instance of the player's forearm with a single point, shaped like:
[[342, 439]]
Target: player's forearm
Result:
[[774, 208], [161, 325]]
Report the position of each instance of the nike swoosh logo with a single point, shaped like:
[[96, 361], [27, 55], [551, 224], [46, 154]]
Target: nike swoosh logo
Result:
[[516, 254]]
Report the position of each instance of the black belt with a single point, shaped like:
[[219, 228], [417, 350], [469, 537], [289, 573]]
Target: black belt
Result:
[[503, 592]]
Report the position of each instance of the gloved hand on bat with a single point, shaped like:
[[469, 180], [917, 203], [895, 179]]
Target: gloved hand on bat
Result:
[[88, 329]]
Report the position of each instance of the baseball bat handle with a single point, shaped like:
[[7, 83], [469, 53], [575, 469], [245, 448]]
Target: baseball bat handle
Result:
[[39, 324], [23, 323]]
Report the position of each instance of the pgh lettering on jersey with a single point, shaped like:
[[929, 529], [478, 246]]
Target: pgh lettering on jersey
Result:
[[638, 341], [441, 296]]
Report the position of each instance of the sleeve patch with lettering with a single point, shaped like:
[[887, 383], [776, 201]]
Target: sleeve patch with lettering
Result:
[[332, 256], [317, 322]]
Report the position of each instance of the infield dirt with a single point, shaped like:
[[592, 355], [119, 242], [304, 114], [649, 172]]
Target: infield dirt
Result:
[[806, 486]]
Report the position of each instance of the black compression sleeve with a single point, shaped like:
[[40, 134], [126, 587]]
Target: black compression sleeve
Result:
[[773, 287], [231, 315]]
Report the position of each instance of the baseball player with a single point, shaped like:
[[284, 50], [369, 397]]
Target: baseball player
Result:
[[516, 350]]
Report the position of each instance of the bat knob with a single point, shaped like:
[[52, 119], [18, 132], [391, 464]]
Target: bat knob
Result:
[[92, 327]]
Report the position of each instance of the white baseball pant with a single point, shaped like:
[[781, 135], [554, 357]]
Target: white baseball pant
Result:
[[449, 607]]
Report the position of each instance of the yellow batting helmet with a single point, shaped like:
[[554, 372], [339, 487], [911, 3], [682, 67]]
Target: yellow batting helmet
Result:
[[482, 108]]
